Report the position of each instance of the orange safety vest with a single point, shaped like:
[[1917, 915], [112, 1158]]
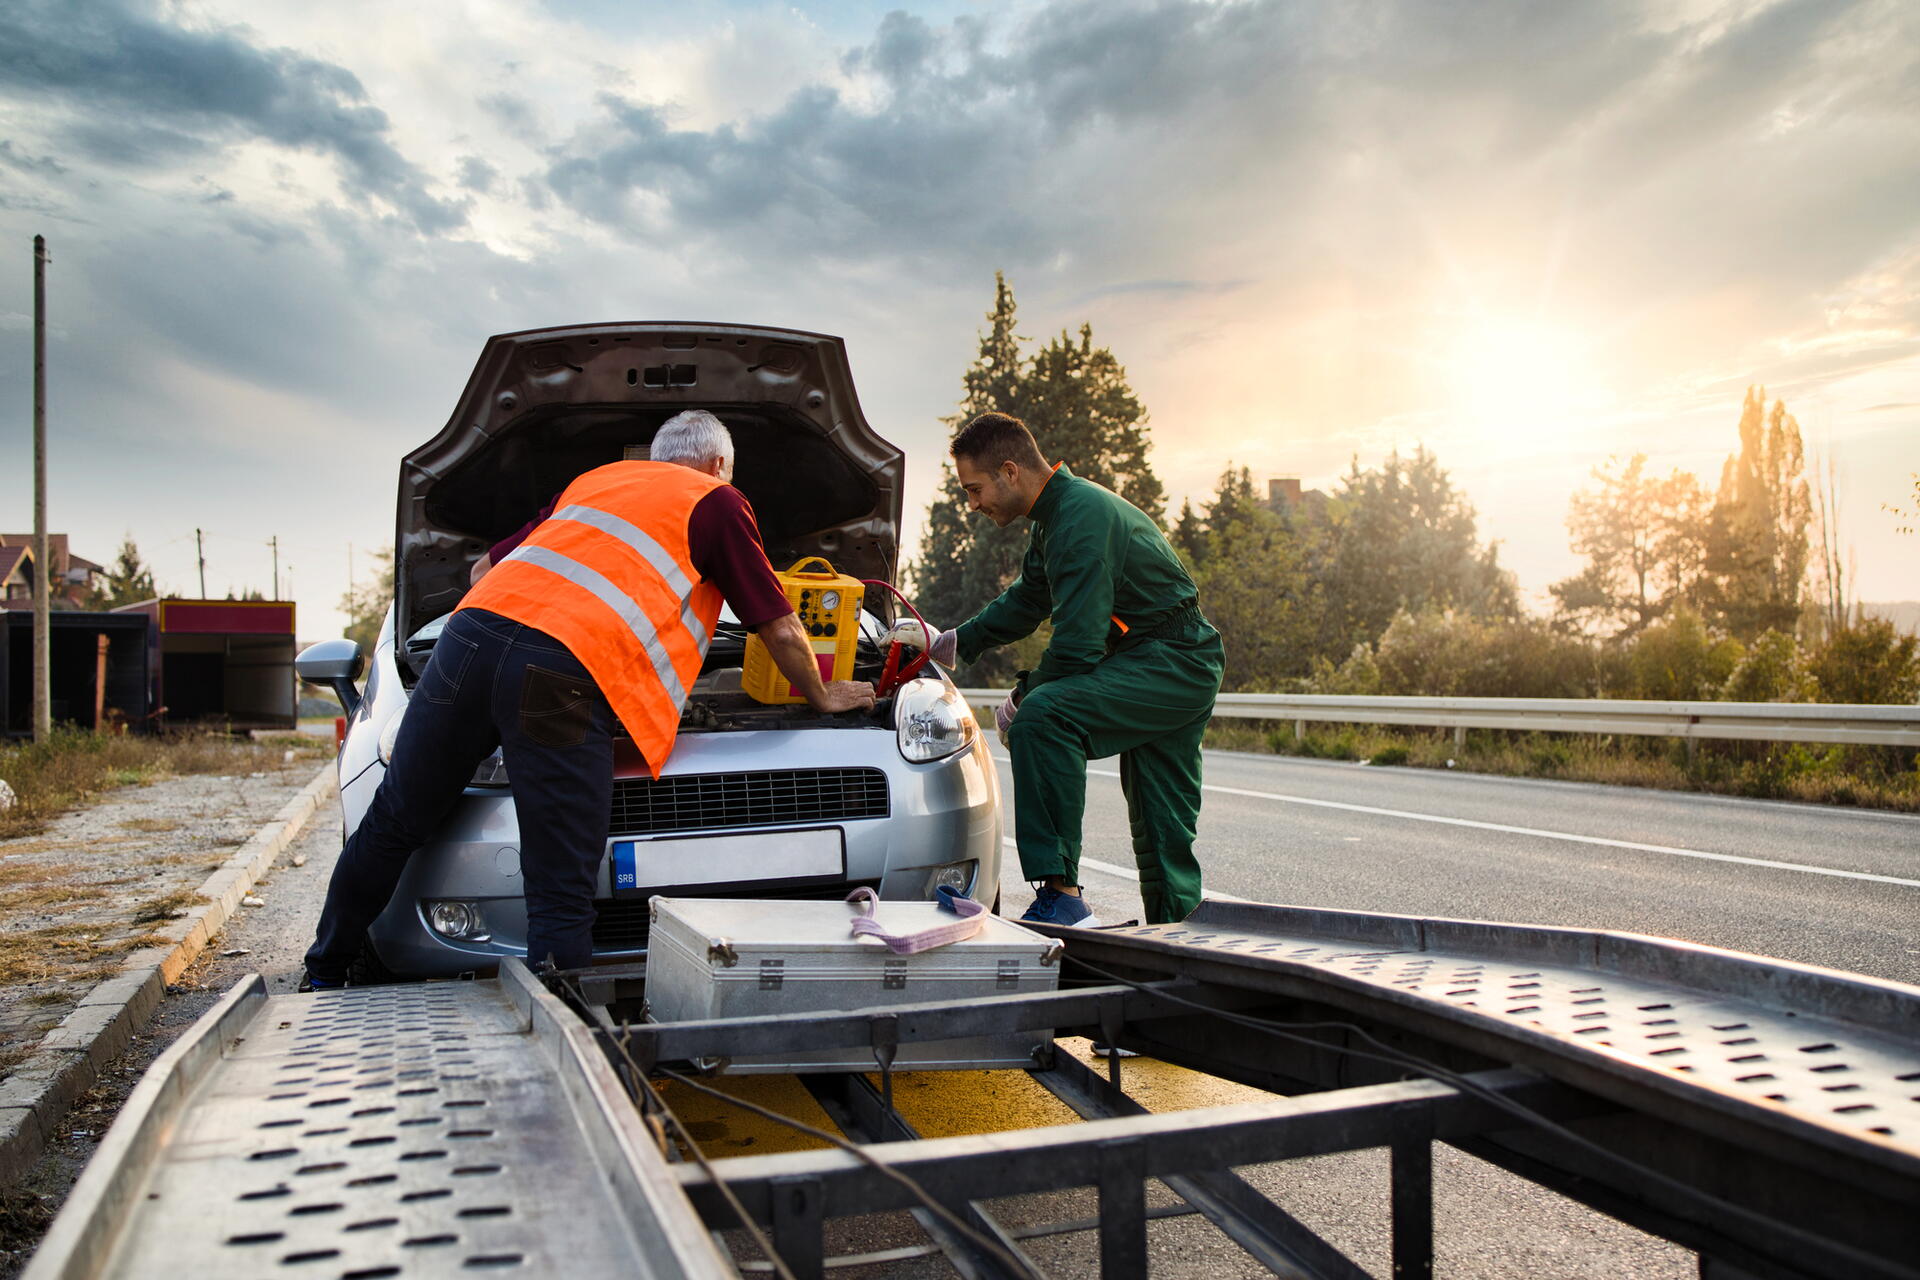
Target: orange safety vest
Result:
[[610, 576]]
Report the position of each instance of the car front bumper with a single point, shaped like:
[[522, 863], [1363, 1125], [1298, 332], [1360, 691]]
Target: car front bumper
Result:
[[938, 814]]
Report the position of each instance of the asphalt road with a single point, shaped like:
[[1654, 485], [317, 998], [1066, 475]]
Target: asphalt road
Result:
[[1818, 885]]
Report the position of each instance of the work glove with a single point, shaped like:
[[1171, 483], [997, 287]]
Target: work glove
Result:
[[1003, 715], [943, 647]]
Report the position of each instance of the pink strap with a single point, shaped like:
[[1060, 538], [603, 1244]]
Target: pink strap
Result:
[[972, 919]]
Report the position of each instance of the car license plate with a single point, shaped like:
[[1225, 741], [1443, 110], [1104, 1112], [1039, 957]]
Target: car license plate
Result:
[[770, 858]]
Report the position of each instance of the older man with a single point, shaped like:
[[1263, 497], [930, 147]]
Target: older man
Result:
[[1132, 670], [601, 608]]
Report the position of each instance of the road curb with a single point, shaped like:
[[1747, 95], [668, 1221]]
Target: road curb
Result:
[[69, 1058]]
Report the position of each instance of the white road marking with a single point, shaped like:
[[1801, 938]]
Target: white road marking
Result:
[[1635, 845], [1569, 836]]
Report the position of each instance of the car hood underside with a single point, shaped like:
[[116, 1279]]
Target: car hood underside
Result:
[[546, 405]]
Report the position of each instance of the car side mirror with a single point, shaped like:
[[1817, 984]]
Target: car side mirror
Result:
[[336, 664]]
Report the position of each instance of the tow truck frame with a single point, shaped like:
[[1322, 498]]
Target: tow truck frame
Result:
[[1764, 1114]]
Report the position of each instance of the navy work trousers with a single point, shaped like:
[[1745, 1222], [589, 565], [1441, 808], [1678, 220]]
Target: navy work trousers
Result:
[[491, 682]]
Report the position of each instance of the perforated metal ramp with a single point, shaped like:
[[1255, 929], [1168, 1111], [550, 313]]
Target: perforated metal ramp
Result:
[[1828, 1057], [431, 1130]]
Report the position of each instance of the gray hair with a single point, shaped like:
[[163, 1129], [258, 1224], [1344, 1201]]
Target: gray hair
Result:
[[692, 439]]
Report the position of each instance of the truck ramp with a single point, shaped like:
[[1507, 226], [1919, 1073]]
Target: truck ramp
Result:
[[464, 1128], [1765, 1115], [1762, 1113]]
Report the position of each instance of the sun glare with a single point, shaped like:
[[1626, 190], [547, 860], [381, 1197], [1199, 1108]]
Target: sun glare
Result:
[[1508, 376]]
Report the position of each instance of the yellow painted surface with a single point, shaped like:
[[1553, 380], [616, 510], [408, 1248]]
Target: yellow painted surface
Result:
[[723, 1130], [940, 1104]]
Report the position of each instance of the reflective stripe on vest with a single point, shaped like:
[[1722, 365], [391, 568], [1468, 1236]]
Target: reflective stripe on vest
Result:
[[594, 581], [652, 552], [611, 577]]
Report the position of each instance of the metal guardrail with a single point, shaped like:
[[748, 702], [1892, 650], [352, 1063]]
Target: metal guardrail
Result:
[[1897, 726]]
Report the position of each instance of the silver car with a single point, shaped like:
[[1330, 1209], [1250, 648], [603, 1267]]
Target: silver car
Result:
[[757, 800]]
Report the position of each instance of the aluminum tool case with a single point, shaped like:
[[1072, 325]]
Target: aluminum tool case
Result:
[[729, 958]]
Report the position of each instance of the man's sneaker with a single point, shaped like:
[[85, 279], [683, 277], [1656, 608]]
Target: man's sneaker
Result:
[[1050, 906], [310, 983]]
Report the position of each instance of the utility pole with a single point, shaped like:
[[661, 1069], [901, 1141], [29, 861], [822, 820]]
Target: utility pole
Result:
[[274, 542], [200, 550], [42, 589]]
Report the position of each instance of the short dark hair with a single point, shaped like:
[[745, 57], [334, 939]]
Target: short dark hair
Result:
[[994, 438]]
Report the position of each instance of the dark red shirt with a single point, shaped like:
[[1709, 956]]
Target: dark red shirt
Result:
[[724, 540]]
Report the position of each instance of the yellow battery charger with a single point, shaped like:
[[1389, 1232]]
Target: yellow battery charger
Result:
[[829, 607]]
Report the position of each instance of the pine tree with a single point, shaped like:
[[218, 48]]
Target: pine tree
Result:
[[1190, 534], [965, 559], [129, 580], [1074, 397], [1082, 412]]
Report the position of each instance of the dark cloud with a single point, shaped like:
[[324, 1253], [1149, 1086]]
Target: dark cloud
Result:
[[477, 175], [1294, 130], [513, 113], [146, 91], [1090, 121]]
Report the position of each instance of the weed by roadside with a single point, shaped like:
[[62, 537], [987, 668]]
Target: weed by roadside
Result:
[[1868, 777], [166, 906], [51, 777], [37, 955]]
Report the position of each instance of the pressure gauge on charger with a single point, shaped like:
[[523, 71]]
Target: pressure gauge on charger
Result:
[[830, 600]]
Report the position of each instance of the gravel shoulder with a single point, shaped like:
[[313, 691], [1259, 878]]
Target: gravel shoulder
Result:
[[80, 896], [269, 940]]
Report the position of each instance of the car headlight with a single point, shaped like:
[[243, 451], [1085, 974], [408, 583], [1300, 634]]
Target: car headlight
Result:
[[387, 736], [491, 773], [933, 720]]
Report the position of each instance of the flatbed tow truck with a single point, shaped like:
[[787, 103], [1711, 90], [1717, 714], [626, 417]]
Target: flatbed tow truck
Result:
[[1765, 1115]]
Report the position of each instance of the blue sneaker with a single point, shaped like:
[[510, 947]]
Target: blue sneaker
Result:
[[1050, 906]]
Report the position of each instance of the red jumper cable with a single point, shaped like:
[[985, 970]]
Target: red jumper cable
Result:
[[894, 673]]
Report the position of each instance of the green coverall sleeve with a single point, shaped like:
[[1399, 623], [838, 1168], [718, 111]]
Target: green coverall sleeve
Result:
[[1082, 559], [1011, 615]]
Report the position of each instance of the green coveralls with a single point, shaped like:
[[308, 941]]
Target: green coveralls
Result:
[[1145, 693]]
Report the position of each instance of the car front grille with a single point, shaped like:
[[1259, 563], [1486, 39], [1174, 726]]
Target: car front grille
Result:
[[622, 924], [773, 798]]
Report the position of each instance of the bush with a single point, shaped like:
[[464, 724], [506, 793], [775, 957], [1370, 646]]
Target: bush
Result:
[[1358, 676], [1772, 670], [1389, 755], [1447, 654], [1868, 662], [1680, 660]]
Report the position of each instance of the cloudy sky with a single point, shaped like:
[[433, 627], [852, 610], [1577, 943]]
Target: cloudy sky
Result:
[[1529, 236]]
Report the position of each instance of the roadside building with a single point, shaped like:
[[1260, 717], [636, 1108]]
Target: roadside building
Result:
[[16, 577], [225, 664], [74, 578]]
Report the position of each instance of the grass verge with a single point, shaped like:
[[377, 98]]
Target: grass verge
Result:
[[1866, 777]]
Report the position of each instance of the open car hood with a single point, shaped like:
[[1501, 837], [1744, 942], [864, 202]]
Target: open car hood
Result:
[[546, 405]]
